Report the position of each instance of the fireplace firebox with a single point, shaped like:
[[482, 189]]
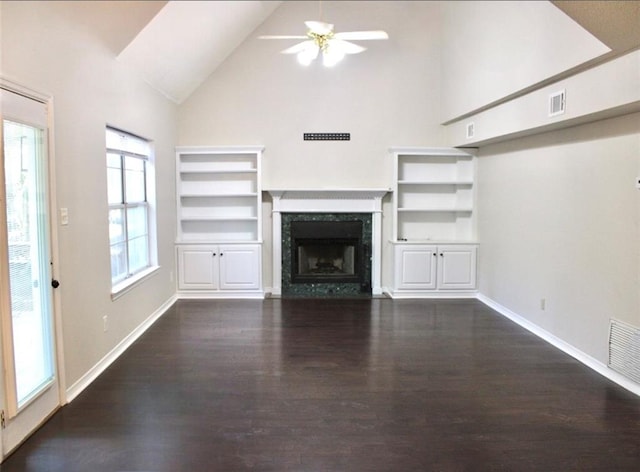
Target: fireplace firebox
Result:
[[326, 251], [326, 254]]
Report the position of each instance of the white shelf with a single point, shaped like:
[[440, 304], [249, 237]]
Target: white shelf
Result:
[[438, 182], [431, 151], [435, 210], [220, 218], [217, 195], [215, 172]]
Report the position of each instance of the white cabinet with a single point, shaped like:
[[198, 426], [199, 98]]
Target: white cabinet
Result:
[[219, 204], [240, 267], [198, 267], [457, 267], [415, 267], [218, 268], [421, 268]]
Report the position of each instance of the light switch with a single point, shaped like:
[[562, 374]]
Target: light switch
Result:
[[64, 216]]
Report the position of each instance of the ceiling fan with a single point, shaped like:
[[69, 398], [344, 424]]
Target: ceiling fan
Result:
[[334, 46]]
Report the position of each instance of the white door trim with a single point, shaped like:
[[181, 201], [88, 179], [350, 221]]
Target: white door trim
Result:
[[47, 100]]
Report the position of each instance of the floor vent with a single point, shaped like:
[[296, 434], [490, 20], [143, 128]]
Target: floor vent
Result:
[[557, 103], [624, 349]]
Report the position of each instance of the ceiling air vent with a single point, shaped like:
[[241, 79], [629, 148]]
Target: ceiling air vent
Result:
[[557, 103], [471, 130]]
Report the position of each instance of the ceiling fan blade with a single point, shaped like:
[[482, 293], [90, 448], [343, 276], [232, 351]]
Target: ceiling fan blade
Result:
[[319, 27], [345, 46], [282, 37], [296, 48], [361, 35], [308, 54]]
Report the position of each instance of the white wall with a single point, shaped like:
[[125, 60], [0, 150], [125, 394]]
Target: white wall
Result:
[[48, 47], [493, 49], [560, 220], [385, 96]]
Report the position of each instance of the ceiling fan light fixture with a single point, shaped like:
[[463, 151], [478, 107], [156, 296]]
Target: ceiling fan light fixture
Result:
[[334, 46]]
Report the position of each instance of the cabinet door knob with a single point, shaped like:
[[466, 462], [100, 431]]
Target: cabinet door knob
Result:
[[214, 254], [441, 255], [221, 254]]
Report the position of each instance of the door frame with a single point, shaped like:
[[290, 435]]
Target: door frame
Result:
[[56, 298]]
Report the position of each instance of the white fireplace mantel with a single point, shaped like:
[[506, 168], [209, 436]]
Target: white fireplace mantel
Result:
[[328, 201]]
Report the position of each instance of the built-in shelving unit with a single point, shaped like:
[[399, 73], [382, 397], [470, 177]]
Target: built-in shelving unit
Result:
[[219, 235], [434, 246]]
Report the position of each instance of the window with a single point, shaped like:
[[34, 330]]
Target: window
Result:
[[128, 179]]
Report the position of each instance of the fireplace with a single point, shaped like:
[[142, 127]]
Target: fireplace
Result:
[[326, 254], [351, 257], [326, 251]]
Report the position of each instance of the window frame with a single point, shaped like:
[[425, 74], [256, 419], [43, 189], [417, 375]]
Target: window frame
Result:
[[130, 277]]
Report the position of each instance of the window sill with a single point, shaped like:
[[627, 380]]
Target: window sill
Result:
[[126, 285]]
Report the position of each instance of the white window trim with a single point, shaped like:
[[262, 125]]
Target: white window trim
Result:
[[127, 284]]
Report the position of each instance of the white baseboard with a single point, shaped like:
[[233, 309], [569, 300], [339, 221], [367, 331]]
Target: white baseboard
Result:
[[83, 382], [230, 295], [426, 294], [567, 348]]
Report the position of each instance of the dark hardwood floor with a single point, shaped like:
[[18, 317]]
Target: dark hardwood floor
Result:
[[340, 385]]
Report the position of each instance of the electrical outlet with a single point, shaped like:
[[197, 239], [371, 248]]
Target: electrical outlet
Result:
[[543, 304], [105, 322]]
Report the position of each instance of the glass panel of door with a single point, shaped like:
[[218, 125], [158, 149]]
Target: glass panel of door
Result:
[[28, 257]]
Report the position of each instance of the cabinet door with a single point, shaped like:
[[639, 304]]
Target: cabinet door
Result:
[[457, 267], [240, 267], [415, 267], [197, 267]]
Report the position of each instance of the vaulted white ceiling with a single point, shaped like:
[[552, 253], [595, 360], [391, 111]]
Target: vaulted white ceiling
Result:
[[187, 40]]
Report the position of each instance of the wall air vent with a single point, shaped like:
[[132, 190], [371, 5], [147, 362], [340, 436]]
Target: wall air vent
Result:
[[624, 349], [471, 130], [326, 136], [557, 103]]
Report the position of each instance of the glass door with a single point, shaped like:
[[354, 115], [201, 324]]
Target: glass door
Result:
[[30, 382]]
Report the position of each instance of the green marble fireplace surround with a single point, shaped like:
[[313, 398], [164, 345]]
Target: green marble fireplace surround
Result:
[[327, 288]]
